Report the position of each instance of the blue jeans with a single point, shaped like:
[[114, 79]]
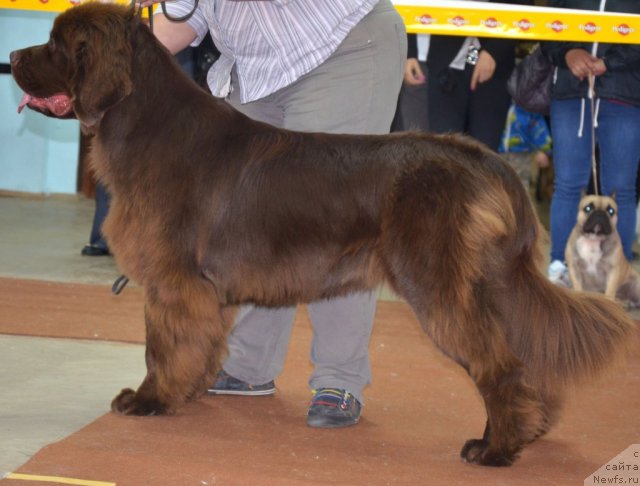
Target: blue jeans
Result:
[[103, 200], [618, 138]]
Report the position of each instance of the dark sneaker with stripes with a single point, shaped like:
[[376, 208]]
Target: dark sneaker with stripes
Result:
[[333, 407], [228, 385]]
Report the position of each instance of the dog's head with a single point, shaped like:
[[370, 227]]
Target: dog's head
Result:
[[84, 69], [598, 215]]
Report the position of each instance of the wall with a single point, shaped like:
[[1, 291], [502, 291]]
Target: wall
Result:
[[37, 154]]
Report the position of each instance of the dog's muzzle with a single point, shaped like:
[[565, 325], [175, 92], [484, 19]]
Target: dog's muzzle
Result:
[[598, 223]]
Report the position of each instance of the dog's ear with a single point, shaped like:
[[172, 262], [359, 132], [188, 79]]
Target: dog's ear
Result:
[[613, 195], [101, 69]]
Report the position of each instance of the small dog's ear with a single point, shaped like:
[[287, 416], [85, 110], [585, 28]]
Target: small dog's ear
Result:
[[613, 195], [101, 71]]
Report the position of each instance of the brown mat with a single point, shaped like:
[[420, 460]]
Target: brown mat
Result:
[[55, 309], [418, 413]]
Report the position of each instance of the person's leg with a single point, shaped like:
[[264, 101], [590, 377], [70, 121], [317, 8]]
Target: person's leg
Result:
[[488, 107], [260, 337], [521, 162], [340, 350], [97, 244], [572, 168], [448, 98], [619, 144], [258, 343], [354, 91], [413, 106]]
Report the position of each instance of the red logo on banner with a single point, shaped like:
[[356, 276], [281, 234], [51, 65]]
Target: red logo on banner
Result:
[[524, 24], [458, 21], [590, 28], [491, 23], [426, 19], [558, 26], [623, 29]]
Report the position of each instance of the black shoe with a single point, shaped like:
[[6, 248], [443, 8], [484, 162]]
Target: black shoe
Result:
[[94, 250], [228, 385], [333, 407]]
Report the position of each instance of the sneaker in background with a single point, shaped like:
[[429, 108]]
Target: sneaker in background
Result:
[[559, 274]]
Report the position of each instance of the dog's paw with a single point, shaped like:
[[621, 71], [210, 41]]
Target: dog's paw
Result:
[[477, 451], [128, 402]]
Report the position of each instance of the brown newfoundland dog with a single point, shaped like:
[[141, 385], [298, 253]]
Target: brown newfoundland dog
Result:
[[211, 209]]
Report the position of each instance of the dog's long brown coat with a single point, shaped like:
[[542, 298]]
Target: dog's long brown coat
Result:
[[211, 209]]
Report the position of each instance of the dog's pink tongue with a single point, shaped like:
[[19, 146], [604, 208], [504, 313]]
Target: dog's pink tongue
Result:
[[24, 101], [58, 104]]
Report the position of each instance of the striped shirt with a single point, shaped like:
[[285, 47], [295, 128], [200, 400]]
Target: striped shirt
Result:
[[272, 43]]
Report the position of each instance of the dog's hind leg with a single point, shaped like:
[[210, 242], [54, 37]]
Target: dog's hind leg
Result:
[[446, 248], [629, 292], [515, 413], [186, 340], [460, 316]]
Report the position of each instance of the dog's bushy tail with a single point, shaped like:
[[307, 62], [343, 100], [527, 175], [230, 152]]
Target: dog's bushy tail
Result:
[[566, 336], [562, 336]]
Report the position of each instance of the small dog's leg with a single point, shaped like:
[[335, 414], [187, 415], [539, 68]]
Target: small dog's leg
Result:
[[629, 292], [576, 281], [614, 281], [186, 333]]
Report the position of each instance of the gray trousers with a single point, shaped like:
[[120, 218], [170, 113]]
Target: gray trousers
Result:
[[354, 91]]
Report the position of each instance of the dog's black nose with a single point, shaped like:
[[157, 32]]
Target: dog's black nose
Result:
[[598, 223], [14, 57]]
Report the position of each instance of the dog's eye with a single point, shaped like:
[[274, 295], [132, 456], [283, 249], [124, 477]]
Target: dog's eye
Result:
[[588, 208], [611, 211]]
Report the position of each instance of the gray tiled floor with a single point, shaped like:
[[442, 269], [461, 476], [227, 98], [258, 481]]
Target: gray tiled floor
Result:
[[53, 387], [41, 238]]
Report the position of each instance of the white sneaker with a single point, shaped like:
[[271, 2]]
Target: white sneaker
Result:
[[559, 274]]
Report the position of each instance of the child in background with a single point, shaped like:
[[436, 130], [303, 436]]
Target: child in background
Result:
[[526, 142]]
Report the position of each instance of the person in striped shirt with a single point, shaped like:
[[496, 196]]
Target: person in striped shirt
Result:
[[326, 66]]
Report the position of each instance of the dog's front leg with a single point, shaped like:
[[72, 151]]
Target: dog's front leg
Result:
[[186, 339]]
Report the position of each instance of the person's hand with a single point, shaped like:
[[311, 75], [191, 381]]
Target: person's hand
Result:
[[581, 63], [598, 67], [541, 159], [483, 70], [413, 75], [146, 3]]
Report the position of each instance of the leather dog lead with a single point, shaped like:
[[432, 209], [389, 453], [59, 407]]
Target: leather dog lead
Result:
[[592, 97], [164, 11]]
